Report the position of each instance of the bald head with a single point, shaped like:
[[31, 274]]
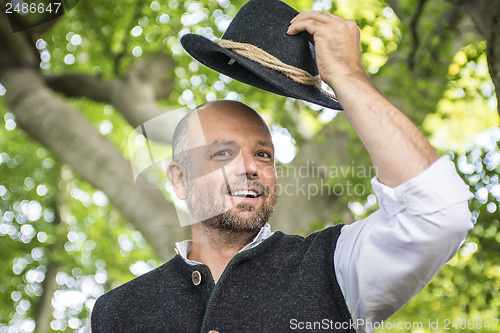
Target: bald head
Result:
[[218, 110]]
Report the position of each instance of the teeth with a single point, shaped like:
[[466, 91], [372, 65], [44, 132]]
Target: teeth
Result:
[[244, 193]]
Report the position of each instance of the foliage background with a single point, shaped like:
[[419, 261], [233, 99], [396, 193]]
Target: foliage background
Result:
[[62, 243]]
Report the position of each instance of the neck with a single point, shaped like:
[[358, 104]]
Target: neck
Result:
[[215, 248]]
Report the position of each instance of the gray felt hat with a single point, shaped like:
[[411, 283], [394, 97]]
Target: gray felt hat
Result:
[[261, 25]]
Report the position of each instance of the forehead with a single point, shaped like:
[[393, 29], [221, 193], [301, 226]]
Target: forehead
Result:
[[229, 121]]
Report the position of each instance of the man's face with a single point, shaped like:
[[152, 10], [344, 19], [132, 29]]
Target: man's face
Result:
[[231, 181]]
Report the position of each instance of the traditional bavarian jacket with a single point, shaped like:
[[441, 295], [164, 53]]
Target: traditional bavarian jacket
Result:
[[286, 283]]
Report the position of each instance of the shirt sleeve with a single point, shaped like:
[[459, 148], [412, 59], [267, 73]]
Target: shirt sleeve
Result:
[[381, 262]]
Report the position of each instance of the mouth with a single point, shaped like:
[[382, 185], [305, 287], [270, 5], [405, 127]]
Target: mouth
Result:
[[249, 193]]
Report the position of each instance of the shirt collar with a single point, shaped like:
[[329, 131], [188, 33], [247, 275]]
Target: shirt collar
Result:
[[184, 248]]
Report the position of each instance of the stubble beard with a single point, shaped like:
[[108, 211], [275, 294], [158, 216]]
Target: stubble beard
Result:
[[211, 210]]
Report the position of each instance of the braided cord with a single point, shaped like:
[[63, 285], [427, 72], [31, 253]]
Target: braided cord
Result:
[[260, 56]]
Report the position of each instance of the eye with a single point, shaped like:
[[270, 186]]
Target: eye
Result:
[[264, 154], [222, 154]]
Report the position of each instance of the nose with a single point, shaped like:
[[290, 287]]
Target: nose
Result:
[[246, 165]]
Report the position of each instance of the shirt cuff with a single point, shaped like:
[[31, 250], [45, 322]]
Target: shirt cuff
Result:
[[437, 187]]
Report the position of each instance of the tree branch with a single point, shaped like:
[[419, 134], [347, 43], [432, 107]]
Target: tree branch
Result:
[[413, 28], [134, 96], [81, 85], [16, 49], [126, 38], [485, 15]]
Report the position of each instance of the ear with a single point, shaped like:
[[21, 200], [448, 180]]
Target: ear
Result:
[[175, 174]]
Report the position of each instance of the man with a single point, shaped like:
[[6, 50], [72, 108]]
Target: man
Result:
[[238, 276]]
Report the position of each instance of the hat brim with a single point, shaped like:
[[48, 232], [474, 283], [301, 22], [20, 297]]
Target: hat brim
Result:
[[250, 72]]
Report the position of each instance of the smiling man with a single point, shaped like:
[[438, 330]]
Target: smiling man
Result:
[[235, 275], [228, 180]]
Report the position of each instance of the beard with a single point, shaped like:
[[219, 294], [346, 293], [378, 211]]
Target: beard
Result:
[[210, 208]]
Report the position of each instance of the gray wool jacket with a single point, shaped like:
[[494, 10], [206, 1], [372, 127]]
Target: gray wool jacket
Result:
[[287, 283]]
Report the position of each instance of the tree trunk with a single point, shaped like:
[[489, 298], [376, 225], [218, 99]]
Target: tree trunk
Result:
[[43, 311], [76, 142], [312, 185]]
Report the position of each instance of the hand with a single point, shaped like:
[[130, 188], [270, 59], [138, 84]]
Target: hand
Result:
[[337, 44]]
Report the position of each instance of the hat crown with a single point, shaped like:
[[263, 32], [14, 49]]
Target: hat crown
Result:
[[264, 23]]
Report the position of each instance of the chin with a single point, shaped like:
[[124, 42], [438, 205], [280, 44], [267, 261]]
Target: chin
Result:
[[242, 221]]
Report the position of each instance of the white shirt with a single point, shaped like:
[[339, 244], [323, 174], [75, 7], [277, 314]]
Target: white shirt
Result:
[[381, 262]]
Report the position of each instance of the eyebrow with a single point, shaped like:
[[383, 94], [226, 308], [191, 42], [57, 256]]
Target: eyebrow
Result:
[[264, 143], [223, 143]]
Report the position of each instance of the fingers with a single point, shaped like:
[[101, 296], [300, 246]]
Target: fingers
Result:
[[315, 15], [310, 26], [307, 21], [311, 21], [337, 45]]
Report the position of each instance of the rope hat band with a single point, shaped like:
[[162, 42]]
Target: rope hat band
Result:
[[264, 58]]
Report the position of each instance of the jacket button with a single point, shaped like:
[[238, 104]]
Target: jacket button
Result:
[[196, 277]]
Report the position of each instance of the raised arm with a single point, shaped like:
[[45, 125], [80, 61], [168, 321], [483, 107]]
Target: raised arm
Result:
[[383, 261], [399, 151]]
